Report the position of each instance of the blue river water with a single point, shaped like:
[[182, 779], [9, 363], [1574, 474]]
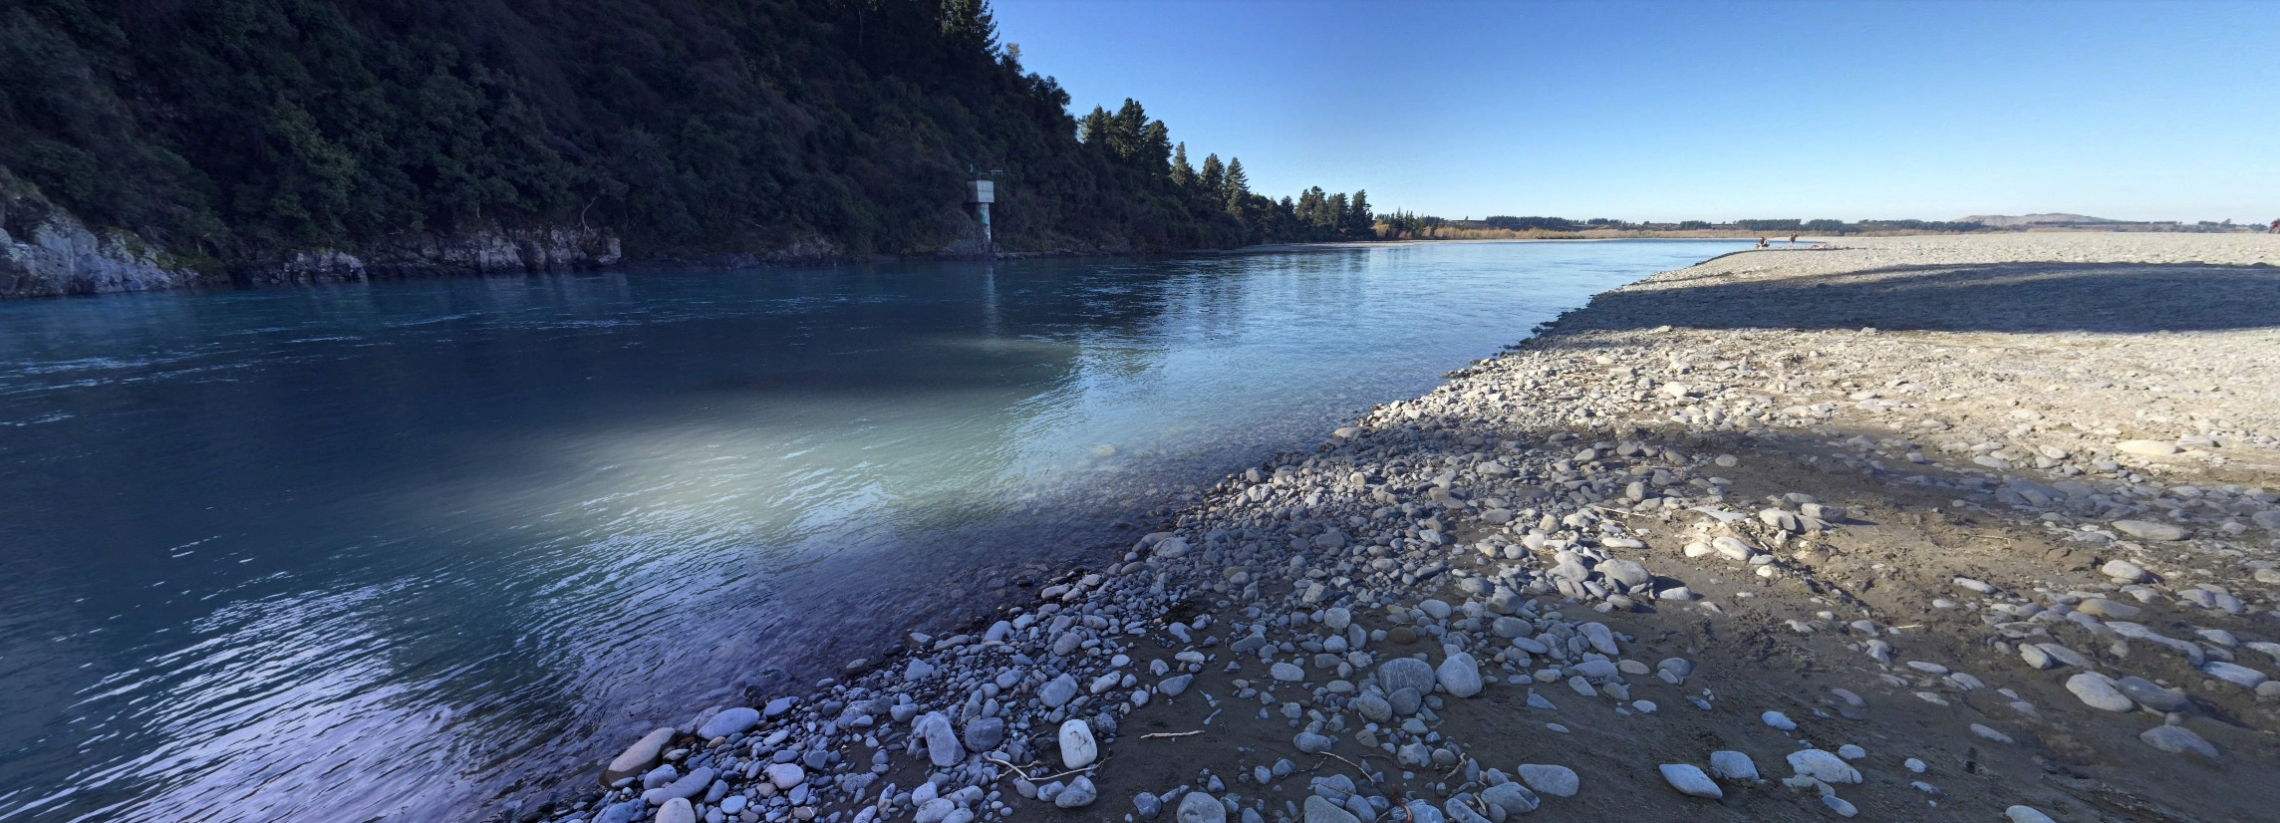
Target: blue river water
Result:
[[390, 551]]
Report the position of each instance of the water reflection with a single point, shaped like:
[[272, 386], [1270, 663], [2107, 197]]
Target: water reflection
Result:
[[377, 551]]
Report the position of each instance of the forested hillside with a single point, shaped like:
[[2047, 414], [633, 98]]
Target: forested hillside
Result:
[[234, 131]]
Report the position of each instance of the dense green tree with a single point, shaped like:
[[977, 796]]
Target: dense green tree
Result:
[[1214, 179], [247, 129], [1237, 186], [1359, 221]]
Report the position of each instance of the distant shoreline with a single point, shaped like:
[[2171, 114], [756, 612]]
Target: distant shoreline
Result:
[[1276, 248]]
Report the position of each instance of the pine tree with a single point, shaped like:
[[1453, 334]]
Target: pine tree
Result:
[[1214, 176], [1156, 146], [1360, 224], [1310, 206], [1238, 185], [969, 24], [1129, 127], [1094, 129], [1183, 175]]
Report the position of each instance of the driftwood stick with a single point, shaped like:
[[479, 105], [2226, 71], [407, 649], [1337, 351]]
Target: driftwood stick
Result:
[[1460, 767], [1070, 772], [1016, 769]]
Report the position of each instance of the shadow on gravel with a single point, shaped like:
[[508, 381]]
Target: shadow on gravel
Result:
[[2020, 297]]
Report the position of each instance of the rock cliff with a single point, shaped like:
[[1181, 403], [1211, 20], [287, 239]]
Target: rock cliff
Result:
[[44, 251]]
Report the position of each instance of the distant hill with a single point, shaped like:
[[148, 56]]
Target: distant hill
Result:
[[2008, 221]]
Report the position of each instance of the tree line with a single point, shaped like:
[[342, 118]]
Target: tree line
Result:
[[1407, 224], [1215, 200], [234, 130]]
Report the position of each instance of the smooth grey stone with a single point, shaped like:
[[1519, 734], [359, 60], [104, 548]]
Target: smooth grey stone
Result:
[[2026, 814], [1602, 639], [730, 721], [1823, 766], [1079, 793], [1078, 749], [2149, 530], [690, 785], [942, 746], [2149, 695], [1176, 684], [1311, 743], [1319, 810], [676, 810], [1554, 780], [984, 733], [1147, 805], [638, 757], [2234, 673], [1627, 572], [660, 776], [2097, 691], [1423, 812], [1511, 798], [1058, 691], [1198, 807], [1688, 779], [1732, 765], [937, 809], [1594, 669], [1405, 701], [1460, 675], [1510, 627], [2178, 740], [626, 812], [1460, 810], [1373, 708], [1406, 673]]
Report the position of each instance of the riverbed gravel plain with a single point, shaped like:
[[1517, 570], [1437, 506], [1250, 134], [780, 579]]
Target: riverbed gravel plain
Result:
[[1973, 528]]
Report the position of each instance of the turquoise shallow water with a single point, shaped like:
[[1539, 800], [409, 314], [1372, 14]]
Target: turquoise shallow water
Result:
[[378, 551]]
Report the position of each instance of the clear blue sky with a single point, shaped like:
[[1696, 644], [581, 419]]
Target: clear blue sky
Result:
[[1667, 111]]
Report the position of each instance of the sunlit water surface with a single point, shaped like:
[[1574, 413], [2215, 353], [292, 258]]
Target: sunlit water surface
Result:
[[380, 551]]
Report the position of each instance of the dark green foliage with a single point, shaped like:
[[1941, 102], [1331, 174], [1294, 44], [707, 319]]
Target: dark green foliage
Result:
[[240, 129], [1526, 223]]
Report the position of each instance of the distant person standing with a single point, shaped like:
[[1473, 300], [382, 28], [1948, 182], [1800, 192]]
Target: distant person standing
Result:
[[1793, 240], [2276, 227]]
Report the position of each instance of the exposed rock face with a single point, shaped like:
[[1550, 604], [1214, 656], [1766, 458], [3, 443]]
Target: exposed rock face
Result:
[[45, 251], [486, 252]]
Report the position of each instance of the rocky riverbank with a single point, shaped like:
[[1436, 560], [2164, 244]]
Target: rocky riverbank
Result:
[[1901, 528]]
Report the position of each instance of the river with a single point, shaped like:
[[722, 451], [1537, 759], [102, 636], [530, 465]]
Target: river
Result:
[[382, 551]]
